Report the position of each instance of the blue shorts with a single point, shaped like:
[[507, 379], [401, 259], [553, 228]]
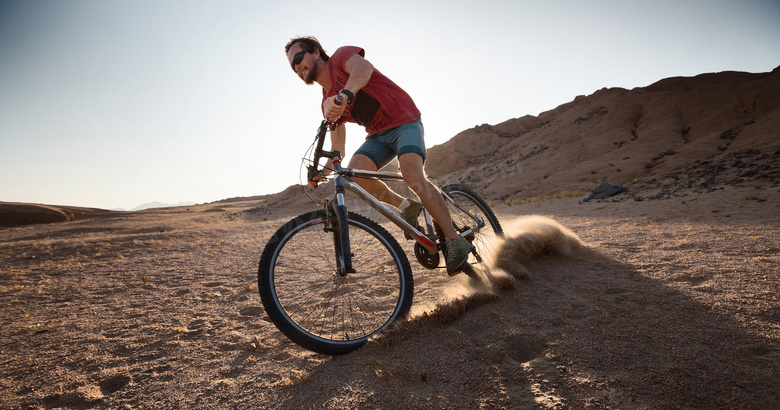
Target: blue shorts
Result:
[[383, 146]]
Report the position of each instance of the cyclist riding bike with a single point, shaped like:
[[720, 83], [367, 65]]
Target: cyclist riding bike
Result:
[[394, 129]]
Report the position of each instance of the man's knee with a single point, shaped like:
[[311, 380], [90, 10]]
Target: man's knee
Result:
[[411, 164], [414, 175], [415, 179]]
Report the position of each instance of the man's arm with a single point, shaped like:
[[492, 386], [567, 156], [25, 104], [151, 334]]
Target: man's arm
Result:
[[359, 70]]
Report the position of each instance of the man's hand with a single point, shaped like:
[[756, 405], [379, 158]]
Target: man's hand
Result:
[[315, 179], [334, 106]]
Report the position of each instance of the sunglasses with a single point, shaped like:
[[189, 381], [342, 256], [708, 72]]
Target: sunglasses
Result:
[[298, 58]]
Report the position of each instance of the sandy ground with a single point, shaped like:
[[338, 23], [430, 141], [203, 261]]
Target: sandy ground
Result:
[[669, 303]]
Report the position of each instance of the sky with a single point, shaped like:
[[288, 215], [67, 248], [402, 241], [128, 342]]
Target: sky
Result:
[[112, 104]]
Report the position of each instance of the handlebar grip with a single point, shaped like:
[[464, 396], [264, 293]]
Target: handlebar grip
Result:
[[339, 99]]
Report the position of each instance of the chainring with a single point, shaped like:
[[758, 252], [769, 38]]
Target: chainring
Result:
[[425, 258]]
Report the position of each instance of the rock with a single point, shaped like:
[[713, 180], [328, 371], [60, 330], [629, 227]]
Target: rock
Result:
[[605, 190]]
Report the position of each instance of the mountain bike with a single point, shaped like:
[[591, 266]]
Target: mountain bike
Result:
[[331, 279]]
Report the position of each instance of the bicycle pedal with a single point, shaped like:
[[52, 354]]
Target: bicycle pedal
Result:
[[458, 270]]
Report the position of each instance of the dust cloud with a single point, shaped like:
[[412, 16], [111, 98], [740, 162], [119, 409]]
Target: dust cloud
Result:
[[525, 239]]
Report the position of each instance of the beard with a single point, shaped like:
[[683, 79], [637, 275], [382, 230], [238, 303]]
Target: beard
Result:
[[311, 75]]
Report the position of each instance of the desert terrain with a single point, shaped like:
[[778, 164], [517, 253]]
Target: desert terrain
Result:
[[664, 295]]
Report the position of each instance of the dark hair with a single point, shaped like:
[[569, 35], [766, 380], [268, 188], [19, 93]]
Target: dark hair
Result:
[[308, 43]]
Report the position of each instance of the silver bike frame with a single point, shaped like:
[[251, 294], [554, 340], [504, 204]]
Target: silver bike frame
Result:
[[343, 179]]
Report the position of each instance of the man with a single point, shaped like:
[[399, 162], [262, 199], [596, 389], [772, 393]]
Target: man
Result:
[[394, 129]]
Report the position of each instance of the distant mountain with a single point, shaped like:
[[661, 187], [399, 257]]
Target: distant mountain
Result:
[[151, 205]]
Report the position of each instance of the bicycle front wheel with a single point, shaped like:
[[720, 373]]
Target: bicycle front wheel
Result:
[[466, 207], [312, 304]]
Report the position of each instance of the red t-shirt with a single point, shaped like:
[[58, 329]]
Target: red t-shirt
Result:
[[380, 105]]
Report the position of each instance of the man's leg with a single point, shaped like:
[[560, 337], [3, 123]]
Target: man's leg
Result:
[[458, 249], [412, 169]]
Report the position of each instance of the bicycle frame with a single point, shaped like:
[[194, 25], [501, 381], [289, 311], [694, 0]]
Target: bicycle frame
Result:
[[343, 183]]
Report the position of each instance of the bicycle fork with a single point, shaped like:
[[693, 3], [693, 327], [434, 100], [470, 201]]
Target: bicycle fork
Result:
[[340, 229]]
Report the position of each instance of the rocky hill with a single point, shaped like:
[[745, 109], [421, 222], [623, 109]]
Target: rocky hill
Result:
[[696, 133]]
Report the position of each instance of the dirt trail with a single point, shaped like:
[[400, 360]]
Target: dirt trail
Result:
[[669, 304]]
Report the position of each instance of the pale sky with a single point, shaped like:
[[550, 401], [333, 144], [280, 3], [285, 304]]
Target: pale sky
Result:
[[112, 104]]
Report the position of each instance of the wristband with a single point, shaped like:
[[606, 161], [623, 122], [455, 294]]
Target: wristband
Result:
[[349, 94]]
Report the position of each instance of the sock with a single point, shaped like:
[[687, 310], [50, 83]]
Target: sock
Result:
[[404, 204]]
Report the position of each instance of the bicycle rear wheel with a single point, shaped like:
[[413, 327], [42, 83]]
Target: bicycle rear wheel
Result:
[[468, 203], [315, 307]]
